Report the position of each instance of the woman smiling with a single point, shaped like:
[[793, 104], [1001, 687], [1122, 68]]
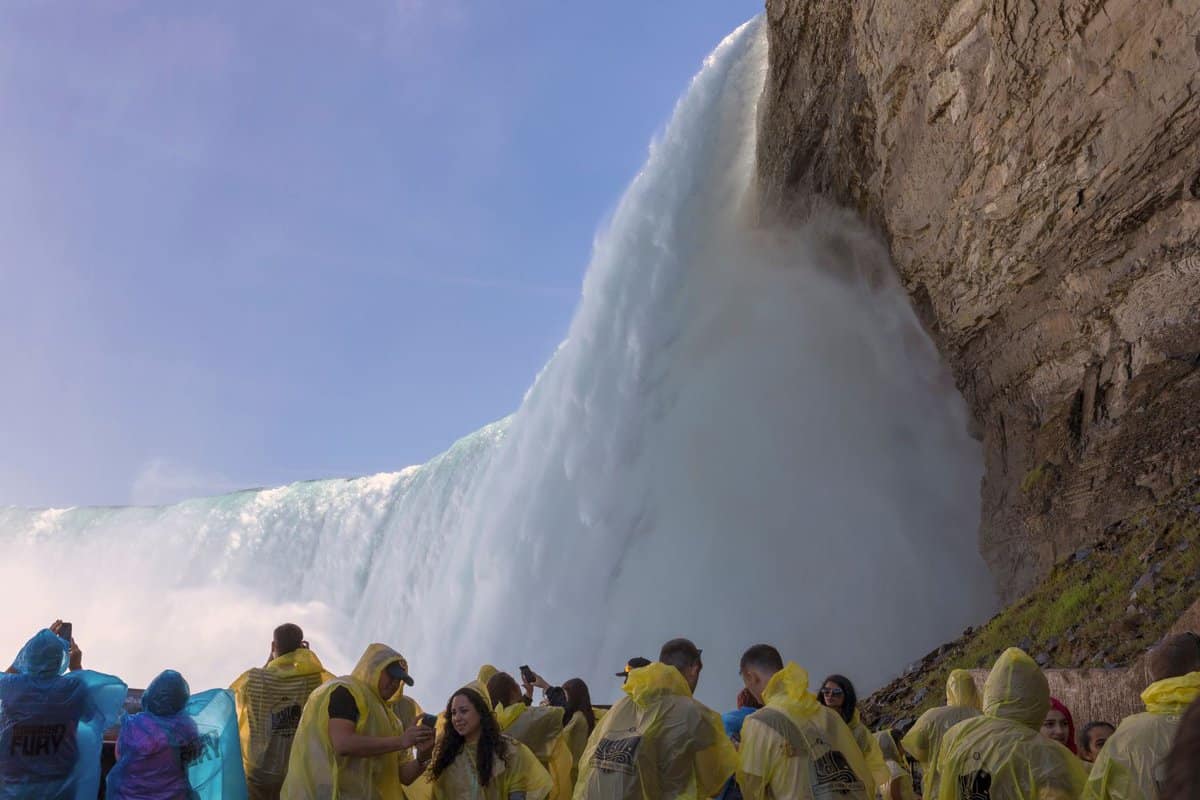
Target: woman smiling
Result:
[[474, 761]]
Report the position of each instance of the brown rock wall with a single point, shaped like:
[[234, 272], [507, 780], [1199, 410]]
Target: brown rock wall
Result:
[[1035, 168]]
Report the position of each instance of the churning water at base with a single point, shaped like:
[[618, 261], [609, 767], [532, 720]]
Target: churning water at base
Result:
[[745, 437]]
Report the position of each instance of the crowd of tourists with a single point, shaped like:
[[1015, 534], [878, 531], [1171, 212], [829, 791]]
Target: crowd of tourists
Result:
[[291, 730]]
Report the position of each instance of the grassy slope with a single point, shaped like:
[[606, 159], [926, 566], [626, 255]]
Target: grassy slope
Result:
[[1100, 607]]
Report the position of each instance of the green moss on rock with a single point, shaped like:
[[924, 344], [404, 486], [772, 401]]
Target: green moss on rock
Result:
[[1102, 606]]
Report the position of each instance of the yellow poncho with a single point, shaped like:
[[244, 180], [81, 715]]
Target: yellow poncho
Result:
[[315, 772], [797, 748], [520, 772], [870, 749], [269, 701], [657, 742], [540, 729], [1001, 754], [576, 734], [897, 768], [924, 739], [1129, 765]]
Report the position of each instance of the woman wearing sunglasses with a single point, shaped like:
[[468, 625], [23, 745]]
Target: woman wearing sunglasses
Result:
[[837, 693]]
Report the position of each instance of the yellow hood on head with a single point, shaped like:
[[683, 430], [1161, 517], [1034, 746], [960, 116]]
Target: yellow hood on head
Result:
[[1172, 695], [791, 681], [789, 687], [481, 689], [646, 683], [372, 664], [961, 691], [1017, 690], [486, 673]]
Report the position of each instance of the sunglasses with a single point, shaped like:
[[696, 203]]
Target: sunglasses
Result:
[[832, 692]]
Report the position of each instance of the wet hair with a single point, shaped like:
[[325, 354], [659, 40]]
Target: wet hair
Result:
[[503, 689], [288, 638], [1182, 766], [1087, 732], [680, 654], [763, 658], [579, 701], [1175, 656], [450, 743], [849, 696]]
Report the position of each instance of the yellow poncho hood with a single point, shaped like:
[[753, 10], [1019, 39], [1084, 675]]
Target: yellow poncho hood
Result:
[[654, 680], [507, 715], [961, 691], [374, 660], [480, 688], [1017, 690], [301, 661], [788, 689], [1172, 695]]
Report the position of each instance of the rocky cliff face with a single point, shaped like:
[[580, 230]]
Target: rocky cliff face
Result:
[[1035, 168]]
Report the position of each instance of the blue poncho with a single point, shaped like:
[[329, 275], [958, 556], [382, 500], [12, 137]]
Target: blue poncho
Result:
[[181, 747], [52, 724]]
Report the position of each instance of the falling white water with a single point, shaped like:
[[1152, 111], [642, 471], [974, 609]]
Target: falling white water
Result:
[[745, 437]]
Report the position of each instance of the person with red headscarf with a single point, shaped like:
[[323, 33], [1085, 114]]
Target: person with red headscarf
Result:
[[1060, 726]]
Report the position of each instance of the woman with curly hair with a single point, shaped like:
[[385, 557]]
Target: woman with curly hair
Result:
[[474, 761]]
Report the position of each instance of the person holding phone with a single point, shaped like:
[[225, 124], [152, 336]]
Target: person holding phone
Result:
[[540, 728], [65, 631], [349, 743], [54, 721]]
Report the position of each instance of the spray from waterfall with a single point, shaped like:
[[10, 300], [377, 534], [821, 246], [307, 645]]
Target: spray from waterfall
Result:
[[745, 436]]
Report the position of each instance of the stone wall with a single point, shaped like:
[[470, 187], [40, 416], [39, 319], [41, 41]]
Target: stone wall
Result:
[[1107, 695], [1035, 168]]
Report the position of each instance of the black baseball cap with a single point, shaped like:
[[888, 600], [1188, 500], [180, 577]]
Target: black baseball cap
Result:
[[396, 670], [632, 664]]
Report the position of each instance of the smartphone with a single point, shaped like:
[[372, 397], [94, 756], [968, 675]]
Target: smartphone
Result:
[[428, 721], [527, 674], [66, 631]]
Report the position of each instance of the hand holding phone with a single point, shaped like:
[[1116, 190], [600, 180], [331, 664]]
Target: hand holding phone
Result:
[[528, 676], [428, 721]]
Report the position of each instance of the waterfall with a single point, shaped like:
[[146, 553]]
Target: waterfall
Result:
[[745, 437]]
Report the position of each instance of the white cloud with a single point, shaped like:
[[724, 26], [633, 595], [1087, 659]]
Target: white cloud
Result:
[[161, 481]]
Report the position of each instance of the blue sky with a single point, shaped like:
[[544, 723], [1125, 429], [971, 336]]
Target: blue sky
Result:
[[248, 243]]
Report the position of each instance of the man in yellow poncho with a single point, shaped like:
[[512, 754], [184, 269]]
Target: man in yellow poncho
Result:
[[540, 728], [794, 747], [1002, 755], [658, 742], [1131, 763], [923, 741], [269, 701], [349, 745]]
